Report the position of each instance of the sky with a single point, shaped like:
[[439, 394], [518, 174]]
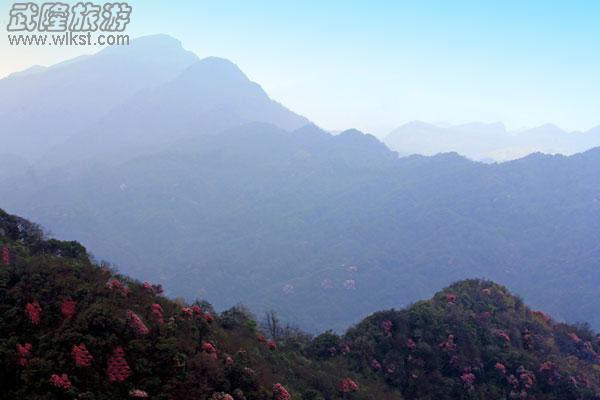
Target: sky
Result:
[[374, 65]]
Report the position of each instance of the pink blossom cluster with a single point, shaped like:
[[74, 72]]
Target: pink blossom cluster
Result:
[[376, 365], [468, 379], [210, 349], [449, 344], [67, 308], [573, 336], [451, 298], [410, 344], [347, 385], [118, 370], [60, 381], [24, 353], [81, 355], [158, 313], [504, 336], [115, 284], [280, 392], [271, 344], [34, 312], [138, 394], [387, 326], [154, 289], [5, 255], [228, 361], [500, 368], [136, 323]]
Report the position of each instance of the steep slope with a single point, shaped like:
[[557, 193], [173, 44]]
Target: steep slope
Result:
[[210, 96], [71, 329], [44, 107], [330, 228]]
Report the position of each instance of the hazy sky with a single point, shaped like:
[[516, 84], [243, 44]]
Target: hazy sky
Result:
[[374, 65]]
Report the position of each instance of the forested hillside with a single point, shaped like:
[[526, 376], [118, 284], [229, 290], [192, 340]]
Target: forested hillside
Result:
[[72, 329]]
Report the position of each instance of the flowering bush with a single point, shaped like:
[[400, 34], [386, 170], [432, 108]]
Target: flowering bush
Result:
[[573, 336], [136, 323], [280, 393], [157, 311], [67, 308], [34, 311], [504, 336], [118, 370], [196, 310], [500, 368], [208, 318], [24, 353], [5, 255], [449, 344], [137, 393], [81, 355], [210, 349], [376, 365], [115, 284], [347, 385], [387, 326], [228, 361], [468, 379], [187, 312], [60, 381]]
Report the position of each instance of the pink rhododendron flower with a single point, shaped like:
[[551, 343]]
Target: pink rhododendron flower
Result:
[[387, 326], [347, 385], [68, 307], [468, 379], [157, 311], [5, 255], [82, 356], [137, 393], [280, 393], [24, 353], [210, 349], [271, 344], [500, 368], [449, 344], [60, 381], [34, 311], [118, 370], [136, 323]]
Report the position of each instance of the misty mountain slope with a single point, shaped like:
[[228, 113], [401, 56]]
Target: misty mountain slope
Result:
[[328, 226], [209, 96], [42, 108], [486, 142]]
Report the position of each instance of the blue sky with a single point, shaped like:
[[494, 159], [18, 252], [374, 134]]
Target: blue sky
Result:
[[374, 65]]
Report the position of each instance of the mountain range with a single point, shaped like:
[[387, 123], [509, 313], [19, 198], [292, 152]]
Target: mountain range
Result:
[[191, 176], [489, 142]]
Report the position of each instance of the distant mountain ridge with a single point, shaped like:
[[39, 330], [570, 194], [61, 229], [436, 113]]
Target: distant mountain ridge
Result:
[[489, 142]]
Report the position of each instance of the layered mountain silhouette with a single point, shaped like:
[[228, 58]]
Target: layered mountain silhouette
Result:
[[71, 328], [488, 142], [201, 182]]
